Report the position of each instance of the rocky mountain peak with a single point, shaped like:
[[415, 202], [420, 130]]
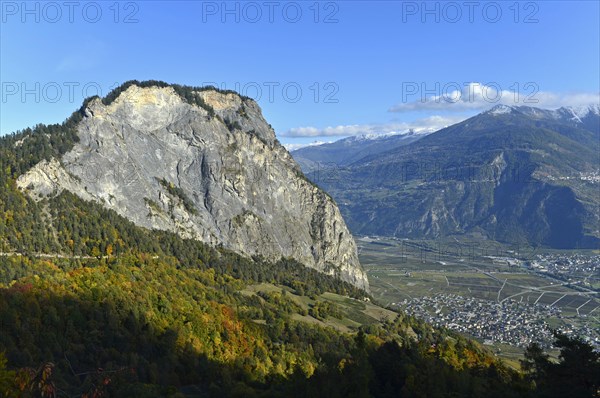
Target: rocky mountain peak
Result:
[[574, 114], [205, 164], [500, 110]]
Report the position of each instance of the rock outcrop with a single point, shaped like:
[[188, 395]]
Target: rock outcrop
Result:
[[214, 172]]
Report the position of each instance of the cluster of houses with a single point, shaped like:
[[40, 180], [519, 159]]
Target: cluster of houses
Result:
[[568, 265], [509, 322]]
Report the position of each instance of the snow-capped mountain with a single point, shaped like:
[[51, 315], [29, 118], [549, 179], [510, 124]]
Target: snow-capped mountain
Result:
[[348, 150], [566, 113], [586, 117]]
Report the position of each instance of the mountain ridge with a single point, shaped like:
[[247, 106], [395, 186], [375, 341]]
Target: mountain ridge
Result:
[[348, 150]]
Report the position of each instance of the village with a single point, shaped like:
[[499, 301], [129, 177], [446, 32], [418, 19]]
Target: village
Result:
[[577, 268], [509, 322]]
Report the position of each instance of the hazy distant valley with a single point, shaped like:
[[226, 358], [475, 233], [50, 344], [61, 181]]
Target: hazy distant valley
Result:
[[505, 296]]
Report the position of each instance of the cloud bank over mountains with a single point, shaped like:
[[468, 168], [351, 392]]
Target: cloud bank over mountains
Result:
[[447, 104], [423, 125], [454, 97]]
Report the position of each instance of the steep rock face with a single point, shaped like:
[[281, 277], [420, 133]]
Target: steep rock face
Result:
[[214, 173]]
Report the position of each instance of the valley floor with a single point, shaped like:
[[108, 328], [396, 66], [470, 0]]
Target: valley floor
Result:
[[505, 298]]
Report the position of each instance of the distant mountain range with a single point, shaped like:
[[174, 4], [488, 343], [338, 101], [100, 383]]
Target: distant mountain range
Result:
[[511, 174], [348, 150]]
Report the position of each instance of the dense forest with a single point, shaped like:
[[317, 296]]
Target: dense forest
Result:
[[93, 306]]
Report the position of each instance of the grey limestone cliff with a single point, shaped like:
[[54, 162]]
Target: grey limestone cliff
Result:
[[215, 173]]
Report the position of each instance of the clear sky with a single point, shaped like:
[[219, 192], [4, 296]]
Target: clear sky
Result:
[[319, 70]]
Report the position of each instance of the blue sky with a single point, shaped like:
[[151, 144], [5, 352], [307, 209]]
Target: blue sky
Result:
[[319, 70]]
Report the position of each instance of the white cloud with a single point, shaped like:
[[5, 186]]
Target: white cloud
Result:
[[425, 125], [455, 97]]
